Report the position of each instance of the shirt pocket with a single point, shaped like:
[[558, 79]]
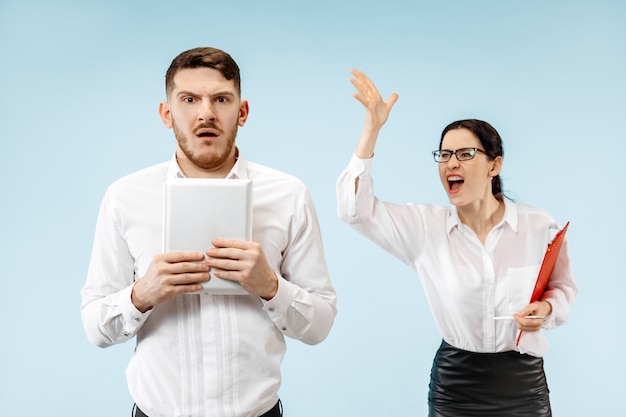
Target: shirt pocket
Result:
[[520, 285]]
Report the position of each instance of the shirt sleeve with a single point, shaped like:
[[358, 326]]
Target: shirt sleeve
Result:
[[304, 307], [398, 229], [357, 169], [561, 290], [108, 314]]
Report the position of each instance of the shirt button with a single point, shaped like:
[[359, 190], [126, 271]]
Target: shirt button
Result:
[[125, 334], [137, 319], [284, 329], [272, 309]]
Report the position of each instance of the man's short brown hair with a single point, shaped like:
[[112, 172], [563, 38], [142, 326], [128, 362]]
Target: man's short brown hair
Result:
[[204, 57]]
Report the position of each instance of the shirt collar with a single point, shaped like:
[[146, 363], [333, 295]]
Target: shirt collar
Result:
[[453, 219], [510, 217], [510, 214], [238, 170]]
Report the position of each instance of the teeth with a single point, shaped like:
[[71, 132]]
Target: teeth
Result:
[[455, 178]]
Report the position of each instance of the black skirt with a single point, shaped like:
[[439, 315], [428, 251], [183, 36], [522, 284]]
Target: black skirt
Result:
[[469, 384]]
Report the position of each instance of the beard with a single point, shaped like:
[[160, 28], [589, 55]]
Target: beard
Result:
[[206, 160]]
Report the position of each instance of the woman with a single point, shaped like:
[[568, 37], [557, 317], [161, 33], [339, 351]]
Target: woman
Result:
[[478, 260]]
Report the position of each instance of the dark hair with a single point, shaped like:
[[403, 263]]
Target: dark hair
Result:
[[489, 139], [207, 58]]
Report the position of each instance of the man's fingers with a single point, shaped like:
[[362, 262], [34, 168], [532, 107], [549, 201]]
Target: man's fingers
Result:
[[188, 278], [176, 257], [232, 243]]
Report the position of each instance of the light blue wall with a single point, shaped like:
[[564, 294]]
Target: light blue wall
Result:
[[80, 82]]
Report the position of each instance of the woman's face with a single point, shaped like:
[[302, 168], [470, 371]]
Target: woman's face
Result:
[[467, 182]]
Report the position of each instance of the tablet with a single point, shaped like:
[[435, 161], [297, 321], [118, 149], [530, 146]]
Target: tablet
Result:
[[197, 210]]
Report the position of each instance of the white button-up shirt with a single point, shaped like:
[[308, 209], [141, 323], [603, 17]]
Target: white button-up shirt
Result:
[[466, 283], [201, 355]]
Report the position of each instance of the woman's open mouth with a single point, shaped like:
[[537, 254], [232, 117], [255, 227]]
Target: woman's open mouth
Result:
[[455, 183]]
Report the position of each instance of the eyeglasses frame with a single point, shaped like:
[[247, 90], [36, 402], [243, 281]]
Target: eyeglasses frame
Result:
[[440, 161]]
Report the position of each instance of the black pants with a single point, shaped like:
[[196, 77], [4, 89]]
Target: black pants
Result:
[[276, 411], [469, 384]]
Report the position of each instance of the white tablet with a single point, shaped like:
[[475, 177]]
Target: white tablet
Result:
[[197, 210]]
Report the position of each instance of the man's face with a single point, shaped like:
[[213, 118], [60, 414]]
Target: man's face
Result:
[[205, 111]]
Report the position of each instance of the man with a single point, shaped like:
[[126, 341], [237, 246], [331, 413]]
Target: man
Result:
[[203, 355]]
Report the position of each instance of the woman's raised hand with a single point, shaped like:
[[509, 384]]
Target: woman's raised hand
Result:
[[376, 112]]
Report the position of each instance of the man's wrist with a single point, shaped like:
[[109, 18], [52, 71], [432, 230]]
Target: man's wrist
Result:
[[137, 303], [272, 293]]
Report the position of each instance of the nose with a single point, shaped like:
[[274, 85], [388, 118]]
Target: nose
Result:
[[453, 162], [206, 111]]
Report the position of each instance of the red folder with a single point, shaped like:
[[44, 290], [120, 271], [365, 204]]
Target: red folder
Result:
[[549, 260]]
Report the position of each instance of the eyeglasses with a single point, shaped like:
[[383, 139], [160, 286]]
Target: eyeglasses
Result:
[[463, 154]]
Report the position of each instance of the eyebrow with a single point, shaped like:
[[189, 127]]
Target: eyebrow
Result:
[[216, 94]]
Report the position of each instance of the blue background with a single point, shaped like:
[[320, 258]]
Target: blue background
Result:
[[80, 83]]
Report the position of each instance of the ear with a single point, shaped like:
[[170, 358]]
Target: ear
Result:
[[165, 113], [496, 166], [244, 110]]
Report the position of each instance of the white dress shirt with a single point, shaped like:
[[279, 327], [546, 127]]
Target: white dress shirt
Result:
[[466, 283], [206, 355]]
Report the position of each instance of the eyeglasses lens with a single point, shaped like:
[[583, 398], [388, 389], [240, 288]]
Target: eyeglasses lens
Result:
[[463, 154]]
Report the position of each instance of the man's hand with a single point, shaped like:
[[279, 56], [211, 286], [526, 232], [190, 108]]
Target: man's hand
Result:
[[245, 262], [535, 309], [169, 274]]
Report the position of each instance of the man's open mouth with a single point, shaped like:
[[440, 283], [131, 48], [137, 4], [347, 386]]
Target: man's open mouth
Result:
[[206, 134]]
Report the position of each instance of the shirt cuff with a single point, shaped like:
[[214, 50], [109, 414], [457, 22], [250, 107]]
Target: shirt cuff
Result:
[[358, 166], [277, 307], [282, 298], [550, 321], [133, 318]]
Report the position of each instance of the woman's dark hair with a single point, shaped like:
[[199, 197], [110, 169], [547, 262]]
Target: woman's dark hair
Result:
[[204, 57], [489, 139]]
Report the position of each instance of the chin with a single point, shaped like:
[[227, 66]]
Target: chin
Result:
[[455, 200]]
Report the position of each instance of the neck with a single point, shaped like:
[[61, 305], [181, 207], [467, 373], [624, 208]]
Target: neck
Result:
[[482, 216], [218, 170]]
